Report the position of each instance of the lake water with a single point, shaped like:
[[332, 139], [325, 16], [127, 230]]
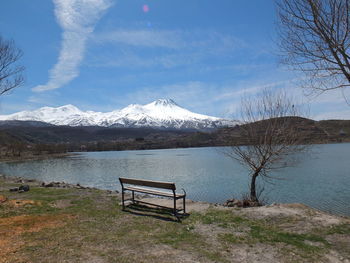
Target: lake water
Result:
[[321, 179]]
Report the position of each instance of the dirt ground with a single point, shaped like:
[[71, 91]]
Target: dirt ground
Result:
[[55, 224], [298, 218], [11, 228]]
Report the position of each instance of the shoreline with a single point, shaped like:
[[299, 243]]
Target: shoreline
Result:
[[55, 184], [74, 153], [37, 157]]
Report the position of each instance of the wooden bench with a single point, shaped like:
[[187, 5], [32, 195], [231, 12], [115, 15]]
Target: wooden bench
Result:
[[152, 188]]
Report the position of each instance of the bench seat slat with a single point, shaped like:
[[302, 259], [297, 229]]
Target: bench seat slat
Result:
[[151, 191], [156, 184]]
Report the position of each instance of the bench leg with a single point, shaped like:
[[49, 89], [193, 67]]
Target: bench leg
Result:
[[175, 213], [123, 199], [184, 205]]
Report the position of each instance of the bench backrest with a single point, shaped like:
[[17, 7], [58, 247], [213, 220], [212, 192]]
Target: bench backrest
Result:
[[156, 184]]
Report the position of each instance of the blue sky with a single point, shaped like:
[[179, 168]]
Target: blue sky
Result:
[[102, 55]]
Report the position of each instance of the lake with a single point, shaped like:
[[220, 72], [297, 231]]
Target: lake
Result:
[[321, 179]]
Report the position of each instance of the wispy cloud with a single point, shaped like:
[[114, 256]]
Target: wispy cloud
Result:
[[337, 115], [173, 39], [45, 99], [77, 19], [127, 47], [223, 99], [9, 108], [192, 95], [147, 38]]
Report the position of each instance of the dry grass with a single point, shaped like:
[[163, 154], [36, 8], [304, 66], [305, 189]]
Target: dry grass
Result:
[[72, 225], [13, 228]]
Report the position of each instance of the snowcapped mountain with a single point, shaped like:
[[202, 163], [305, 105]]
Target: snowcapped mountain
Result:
[[162, 113]]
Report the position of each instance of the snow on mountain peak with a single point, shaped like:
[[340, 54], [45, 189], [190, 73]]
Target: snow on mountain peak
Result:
[[162, 113], [62, 109], [164, 102], [68, 107]]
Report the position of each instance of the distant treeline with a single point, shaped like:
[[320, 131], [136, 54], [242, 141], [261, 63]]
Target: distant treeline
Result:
[[20, 141]]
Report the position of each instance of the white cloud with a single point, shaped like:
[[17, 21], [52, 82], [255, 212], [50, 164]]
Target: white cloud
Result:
[[46, 99], [147, 38], [192, 95], [9, 108], [331, 96], [174, 47], [172, 39], [335, 115], [223, 99], [77, 19], [220, 99]]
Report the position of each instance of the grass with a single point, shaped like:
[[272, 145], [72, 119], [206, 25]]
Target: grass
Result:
[[342, 229], [93, 227], [230, 238], [264, 234], [224, 218], [251, 232]]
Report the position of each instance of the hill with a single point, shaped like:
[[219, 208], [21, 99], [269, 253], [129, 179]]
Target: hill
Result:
[[40, 138], [326, 131]]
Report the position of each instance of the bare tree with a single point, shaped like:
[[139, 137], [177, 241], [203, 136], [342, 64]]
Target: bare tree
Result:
[[270, 135], [10, 73], [314, 38]]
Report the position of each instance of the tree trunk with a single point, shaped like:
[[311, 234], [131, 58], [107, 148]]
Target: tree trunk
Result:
[[253, 196]]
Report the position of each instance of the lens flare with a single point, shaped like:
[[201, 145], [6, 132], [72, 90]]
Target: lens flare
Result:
[[145, 8]]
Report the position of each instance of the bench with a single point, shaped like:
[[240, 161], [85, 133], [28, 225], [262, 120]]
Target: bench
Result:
[[152, 188]]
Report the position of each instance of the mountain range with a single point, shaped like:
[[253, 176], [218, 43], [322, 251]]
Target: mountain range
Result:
[[162, 113]]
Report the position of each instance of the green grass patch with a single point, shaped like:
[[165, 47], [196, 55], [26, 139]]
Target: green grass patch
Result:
[[223, 218], [252, 231], [268, 234], [177, 236], [44, 198], [343, 229], [231, 238]]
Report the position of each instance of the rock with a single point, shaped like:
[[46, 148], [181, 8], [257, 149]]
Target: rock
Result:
[[3, 199], [273, 204], [15, 189], [52, 184], [23, 188], [233, 203], [240, 203], [20, 181], [59, 184], [47, 185]]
